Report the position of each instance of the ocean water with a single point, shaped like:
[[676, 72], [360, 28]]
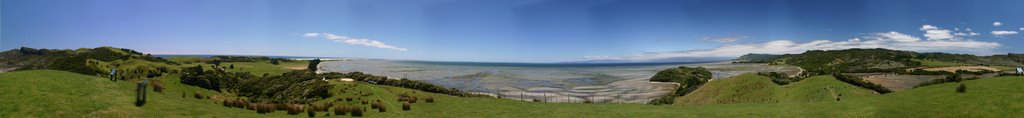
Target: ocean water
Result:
[[557, 82]]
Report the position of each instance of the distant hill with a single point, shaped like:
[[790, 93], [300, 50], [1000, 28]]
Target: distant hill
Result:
[[89, 61], [757, 58], [873, 60]]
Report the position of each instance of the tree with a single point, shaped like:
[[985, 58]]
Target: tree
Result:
[[312, 64], [215, 62], [274, 61], [232, 66]]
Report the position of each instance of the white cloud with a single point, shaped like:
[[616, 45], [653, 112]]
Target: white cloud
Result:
[[311, 34], [1003, 32], [1022, 28], [936, 33], [997, 23], [888, 40], [724, 39], [966, 34], [353, 41]]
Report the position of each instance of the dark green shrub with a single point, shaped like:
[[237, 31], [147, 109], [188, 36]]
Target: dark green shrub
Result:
[[962, 88]]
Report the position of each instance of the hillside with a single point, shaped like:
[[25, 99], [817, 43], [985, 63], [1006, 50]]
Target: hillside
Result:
[[90, 61], [47, 93], [751, 88], [876, 60]]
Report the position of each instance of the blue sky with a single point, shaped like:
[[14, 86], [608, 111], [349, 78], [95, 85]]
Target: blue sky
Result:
[[514, 30]]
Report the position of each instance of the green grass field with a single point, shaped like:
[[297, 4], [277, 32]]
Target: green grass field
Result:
[[257, 68], [47, 93]]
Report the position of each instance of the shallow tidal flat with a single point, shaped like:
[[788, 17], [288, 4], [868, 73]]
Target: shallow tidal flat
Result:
[[548, 83]]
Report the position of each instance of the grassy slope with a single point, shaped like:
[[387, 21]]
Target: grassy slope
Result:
[[46, 93], [751, 88]]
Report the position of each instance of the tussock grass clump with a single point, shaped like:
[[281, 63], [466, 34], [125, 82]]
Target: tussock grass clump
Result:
[[340, 109], [238, 103], [264, 108], [429, 99], [226, 103], [198, 95], [356, 111], [412, 99], [157, 86], [381, 107], [375, 105], [311, 112], [322, 107], [406, 106], [281, 107], [294, 109], [365, 102], [250, 106], [348, 99]]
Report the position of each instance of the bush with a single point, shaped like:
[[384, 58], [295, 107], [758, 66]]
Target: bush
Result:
[[313, 64], [406, 106], [375, 105], [430, 99], [412, 99], [226, 103], [962, 88], [381, 107]]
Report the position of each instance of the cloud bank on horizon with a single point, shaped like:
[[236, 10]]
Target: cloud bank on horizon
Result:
[[936, 39], [353, 41]]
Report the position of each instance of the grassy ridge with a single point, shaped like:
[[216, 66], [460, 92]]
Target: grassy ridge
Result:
[[751, 88]]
